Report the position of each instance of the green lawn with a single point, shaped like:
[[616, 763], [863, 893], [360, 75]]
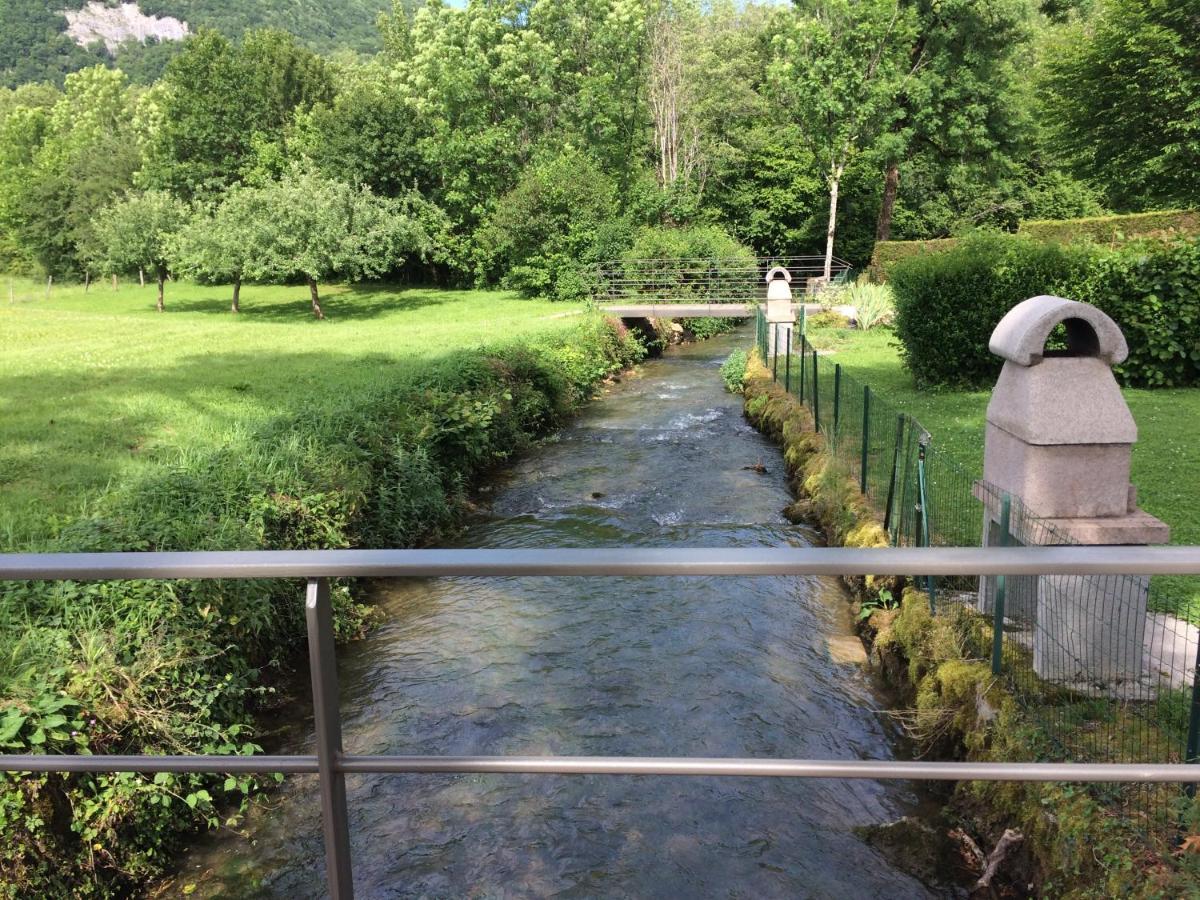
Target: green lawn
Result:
[[93, 386], [1166, 459]]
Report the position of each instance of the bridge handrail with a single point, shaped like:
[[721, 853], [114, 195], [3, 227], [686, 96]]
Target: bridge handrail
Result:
[[331, 764]]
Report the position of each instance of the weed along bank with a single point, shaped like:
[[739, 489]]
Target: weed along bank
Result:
[[1016, 667]]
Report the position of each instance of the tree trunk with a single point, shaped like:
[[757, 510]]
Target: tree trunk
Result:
[[87, 281], [114, 282], [237, 293], [141, 276], [316, 300], [162, 280], [891, 185], [835, 183]]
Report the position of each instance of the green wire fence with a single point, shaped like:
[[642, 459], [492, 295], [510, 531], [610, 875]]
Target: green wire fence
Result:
[[1103, 680]]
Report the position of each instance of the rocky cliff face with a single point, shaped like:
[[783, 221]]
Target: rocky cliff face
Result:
[[116, 24]]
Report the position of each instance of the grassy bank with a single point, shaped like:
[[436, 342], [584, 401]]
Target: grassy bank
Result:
[[365, 430], [1078, 841], [1166, 459], [96, 387]]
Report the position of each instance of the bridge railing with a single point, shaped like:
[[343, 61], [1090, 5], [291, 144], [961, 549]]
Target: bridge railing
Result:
[[714, 280], [331, 764]]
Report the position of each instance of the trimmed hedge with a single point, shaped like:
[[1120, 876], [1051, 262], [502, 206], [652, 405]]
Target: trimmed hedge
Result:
[[948, 303], [1097, 229], [1110, 229]]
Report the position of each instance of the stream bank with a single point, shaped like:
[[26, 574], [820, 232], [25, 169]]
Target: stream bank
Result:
[[623, 666]]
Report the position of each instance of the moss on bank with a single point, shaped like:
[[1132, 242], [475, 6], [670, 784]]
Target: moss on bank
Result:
[[180, 667], [1076, 844]]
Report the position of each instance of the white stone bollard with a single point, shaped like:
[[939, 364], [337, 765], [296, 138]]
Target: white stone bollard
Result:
[[1059, 439], [780, 316]]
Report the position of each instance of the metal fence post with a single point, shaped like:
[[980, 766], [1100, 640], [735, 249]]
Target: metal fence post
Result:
[[923, 516], [837, 395], [866, 439], [891, 494], [1193, 736], [1001, 587], [787, 363], [816, 395], [775, 358], [803, 359], [327, 716]]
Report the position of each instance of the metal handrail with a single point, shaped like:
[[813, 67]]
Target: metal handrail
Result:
[[331, 764]]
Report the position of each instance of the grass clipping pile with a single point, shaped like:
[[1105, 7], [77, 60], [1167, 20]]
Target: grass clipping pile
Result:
[[1045, 839]]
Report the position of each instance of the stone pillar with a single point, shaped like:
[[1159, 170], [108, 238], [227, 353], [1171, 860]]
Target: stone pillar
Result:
[[1059, 440], [780, 314]]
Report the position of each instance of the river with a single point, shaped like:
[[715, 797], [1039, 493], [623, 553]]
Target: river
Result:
[[701, 666]]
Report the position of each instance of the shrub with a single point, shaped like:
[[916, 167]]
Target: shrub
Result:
[[546, 235], [733, 371], [697, 262], [874, 304], [948, 303], [1152, 291]]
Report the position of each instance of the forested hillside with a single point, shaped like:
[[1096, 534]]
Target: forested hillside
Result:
[[523, 142], [34, 45]]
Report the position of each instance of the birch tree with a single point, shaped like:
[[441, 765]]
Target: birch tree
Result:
[[838, 69]]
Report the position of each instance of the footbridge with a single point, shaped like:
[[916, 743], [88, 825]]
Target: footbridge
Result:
[[718, 287]]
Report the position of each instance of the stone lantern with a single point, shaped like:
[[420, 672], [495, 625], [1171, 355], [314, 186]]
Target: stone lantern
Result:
[[1059, 440], [780, 315]]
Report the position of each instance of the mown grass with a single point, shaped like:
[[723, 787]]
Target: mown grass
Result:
[[95, 386], [124, 429], [1166, 459]]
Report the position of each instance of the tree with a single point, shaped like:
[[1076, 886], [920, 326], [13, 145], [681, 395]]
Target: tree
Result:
[[959, 106], [839, 67], [222, 245], [139, 232], [318, 228], [544, 233], [1123, 92], [217, 97]]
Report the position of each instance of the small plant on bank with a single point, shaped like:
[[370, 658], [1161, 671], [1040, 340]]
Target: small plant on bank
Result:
[[874, 304], [882, 600], [733, 371]]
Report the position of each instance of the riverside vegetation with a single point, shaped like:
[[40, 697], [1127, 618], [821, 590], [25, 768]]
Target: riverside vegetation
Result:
[[368, 431], [953, 707]]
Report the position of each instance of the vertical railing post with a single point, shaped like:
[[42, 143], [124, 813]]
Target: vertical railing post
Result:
[[816, 395], [923, 515], [837, 395], [1193, 736], [803, 360], [787, 363], [891, 494], [322, 662], [998, 600], [775, 358], [866, 439]]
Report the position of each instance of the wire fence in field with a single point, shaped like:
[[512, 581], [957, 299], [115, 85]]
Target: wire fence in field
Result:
[[1104, 679]]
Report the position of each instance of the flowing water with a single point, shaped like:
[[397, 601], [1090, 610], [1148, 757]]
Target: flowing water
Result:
[[699, 666]]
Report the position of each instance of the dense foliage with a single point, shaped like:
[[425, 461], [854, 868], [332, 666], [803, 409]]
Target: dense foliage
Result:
[[547, 135], [133, 667], [947, 304]]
